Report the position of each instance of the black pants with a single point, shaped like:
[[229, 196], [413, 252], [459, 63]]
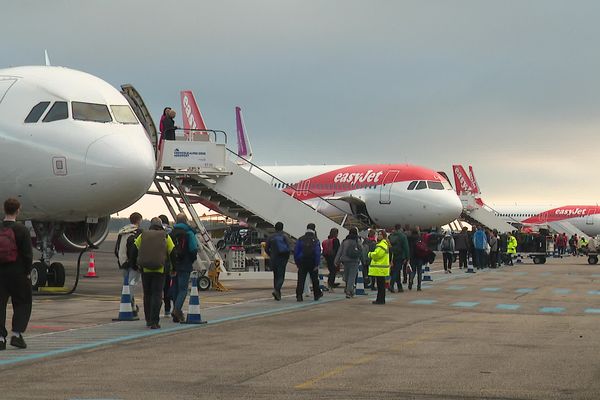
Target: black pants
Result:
[[153, 283], [493, 259], [168, 293], [381, 289], [332, 270], [314, 277], [447, 261], [278, 265], [15, 284], [462, 259]]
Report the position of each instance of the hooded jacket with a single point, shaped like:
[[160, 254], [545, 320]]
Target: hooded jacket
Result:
[[185, 258]]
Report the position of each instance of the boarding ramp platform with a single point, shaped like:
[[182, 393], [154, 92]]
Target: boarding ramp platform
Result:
[[477, 213]]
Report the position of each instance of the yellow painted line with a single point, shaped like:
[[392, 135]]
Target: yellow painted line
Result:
[[366, 359]]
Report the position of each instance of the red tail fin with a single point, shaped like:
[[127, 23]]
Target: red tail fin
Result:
[[474, 181], [462, 181], [192, 118]]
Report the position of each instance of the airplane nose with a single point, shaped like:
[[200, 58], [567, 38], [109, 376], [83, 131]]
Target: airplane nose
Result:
[[119, 169], [453, 205]]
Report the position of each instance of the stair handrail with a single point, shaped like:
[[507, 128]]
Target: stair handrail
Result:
[[208, 131]]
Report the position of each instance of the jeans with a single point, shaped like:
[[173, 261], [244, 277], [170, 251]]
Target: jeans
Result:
[[15, 284], [332, 270], [182, 280], [417, 269], [447, 261], [350, 272], [314, 277], [395, 273], [278, 265], [168, 295], [153, 283], [480, 256]]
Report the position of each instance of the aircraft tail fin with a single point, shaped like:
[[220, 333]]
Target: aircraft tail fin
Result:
[[474, 181], [244, 148], [462, 181], [192, 118]]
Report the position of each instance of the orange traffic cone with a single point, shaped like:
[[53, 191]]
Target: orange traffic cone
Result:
[[91, 268]]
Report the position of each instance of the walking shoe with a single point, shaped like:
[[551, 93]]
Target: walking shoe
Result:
[[404, 281], [318, 296], [410, 286], [392, 290], [276, 296], [155, 326], [418, 288], [378, 302], [299, 298], [449, 271], [400, 290], [3, 344], [18, 341]]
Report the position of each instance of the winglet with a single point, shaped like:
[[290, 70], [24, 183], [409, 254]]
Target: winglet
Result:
[[192, 118], [47, 58], [244, 148]]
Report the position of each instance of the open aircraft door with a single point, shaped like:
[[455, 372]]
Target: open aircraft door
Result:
[[139, 108], [385, 190]]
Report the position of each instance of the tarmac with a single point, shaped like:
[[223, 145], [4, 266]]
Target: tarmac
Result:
[[522, 332]]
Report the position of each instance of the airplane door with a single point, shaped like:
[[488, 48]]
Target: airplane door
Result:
[[5, 85], [385, 189]]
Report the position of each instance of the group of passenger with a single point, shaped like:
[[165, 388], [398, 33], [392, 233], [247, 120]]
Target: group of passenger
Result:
[[486, 247], [575, 245]]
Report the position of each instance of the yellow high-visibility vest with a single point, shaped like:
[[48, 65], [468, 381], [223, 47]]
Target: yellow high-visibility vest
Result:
[[380, 259]]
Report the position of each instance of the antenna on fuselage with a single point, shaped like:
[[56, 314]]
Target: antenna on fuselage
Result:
[[47, 58]]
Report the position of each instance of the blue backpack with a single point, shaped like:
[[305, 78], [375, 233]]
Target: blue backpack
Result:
[[280, 244]]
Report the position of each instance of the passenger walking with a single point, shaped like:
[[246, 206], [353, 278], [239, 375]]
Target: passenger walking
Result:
[[330, 248], [162, 127], [16, 257], [400, 254], [124, 253], [380, 265], [169, 125], [511, 247], [447, 247], [307, 255], [461, 244], [350, 255], [493, 242], [278, 249], [421, 253], [480, 243], [186, 251], [153, 246], [170, 279]]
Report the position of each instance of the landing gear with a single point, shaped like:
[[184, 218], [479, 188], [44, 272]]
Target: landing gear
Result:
[[38, 275], [42, 274], [56, 275]]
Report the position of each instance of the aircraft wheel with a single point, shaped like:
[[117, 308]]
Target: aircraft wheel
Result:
[[56, 275], [593, 260], [39, 275], [203, 283]]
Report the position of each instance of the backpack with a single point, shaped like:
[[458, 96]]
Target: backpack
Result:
[[280, 244], [421, 250], [354, 251], [8, 245], [328, 247], [446, 244], [124, 248], [181, 239], [153, 250], [308, 249]]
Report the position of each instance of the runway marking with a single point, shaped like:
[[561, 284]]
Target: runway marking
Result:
[[594, 292], [511, 307], [546, 273], [552, 310], [562, 291], [490, 289], [465, 304], [521, 273], [455, 287], [525, 290], [592, 310], [423, 301]]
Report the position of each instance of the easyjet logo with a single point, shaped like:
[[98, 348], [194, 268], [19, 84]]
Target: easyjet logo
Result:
[[461, 179], [354, 177], [187, 108], [571, 211]]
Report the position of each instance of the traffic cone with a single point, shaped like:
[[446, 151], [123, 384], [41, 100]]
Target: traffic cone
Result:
[[193, 315], [360, 282], [426, 272], [91, 273], [519, 259], [322, 285], [470, 269], [125, 309]]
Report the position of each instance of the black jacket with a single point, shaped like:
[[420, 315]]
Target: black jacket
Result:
[[24, 247], [169, 126]]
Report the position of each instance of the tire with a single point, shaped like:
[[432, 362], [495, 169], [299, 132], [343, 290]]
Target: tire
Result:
[[543, 260], [203, 283], [537, 260], [592, 260], [39, 275], [56, 275]]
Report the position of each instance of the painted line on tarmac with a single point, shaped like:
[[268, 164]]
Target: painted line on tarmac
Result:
[[525, 290], [465, 304], [552, 310], [511, 307], [490, 289], [148, 333], [562, 291], [592, 310]]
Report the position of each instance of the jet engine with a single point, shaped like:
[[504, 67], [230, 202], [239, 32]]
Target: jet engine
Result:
[[75, 234]]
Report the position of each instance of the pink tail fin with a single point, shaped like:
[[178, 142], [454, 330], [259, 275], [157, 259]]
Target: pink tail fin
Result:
[[462, 181], [192, 118], [244, 148], [475, 186]]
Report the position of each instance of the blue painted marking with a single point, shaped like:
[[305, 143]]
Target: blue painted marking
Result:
[[552, 310], [455, 287], [525, 290], [465, 304], [508, 306], [562, 291], [592, 310], [490, 289], [520, 273], [423, 301], [594, 292]]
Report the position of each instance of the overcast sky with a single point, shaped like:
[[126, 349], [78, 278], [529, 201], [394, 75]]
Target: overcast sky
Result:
[[510, 87]]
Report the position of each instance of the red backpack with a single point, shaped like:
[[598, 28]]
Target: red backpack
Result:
[[328, 247], [8, 246]]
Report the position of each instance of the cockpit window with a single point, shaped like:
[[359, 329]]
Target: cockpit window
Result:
[[124, 115], [36, 112], [90, 112], [57, 112], [447, 185], [412, 185], [421, 185], [435, 185]]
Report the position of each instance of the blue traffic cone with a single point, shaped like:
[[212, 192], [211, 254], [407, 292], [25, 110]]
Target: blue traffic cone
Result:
[[360, 282], [426, 271], [125, 309], [470, 269], [193, 315]]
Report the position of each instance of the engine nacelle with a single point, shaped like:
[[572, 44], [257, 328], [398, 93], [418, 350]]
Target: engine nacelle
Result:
[[73, 236]]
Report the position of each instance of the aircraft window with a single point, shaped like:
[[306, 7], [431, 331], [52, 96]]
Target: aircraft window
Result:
[[57, 112], [90, 112], [435, 185], [36, 112], [421, 185], [412, 185], [124, 115]]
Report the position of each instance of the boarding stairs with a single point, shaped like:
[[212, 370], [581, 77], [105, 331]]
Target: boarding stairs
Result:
[[566, 227], [477, 214]]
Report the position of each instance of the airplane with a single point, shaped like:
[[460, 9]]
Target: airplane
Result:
[[73, 152], [584, 218], [386, 194]]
